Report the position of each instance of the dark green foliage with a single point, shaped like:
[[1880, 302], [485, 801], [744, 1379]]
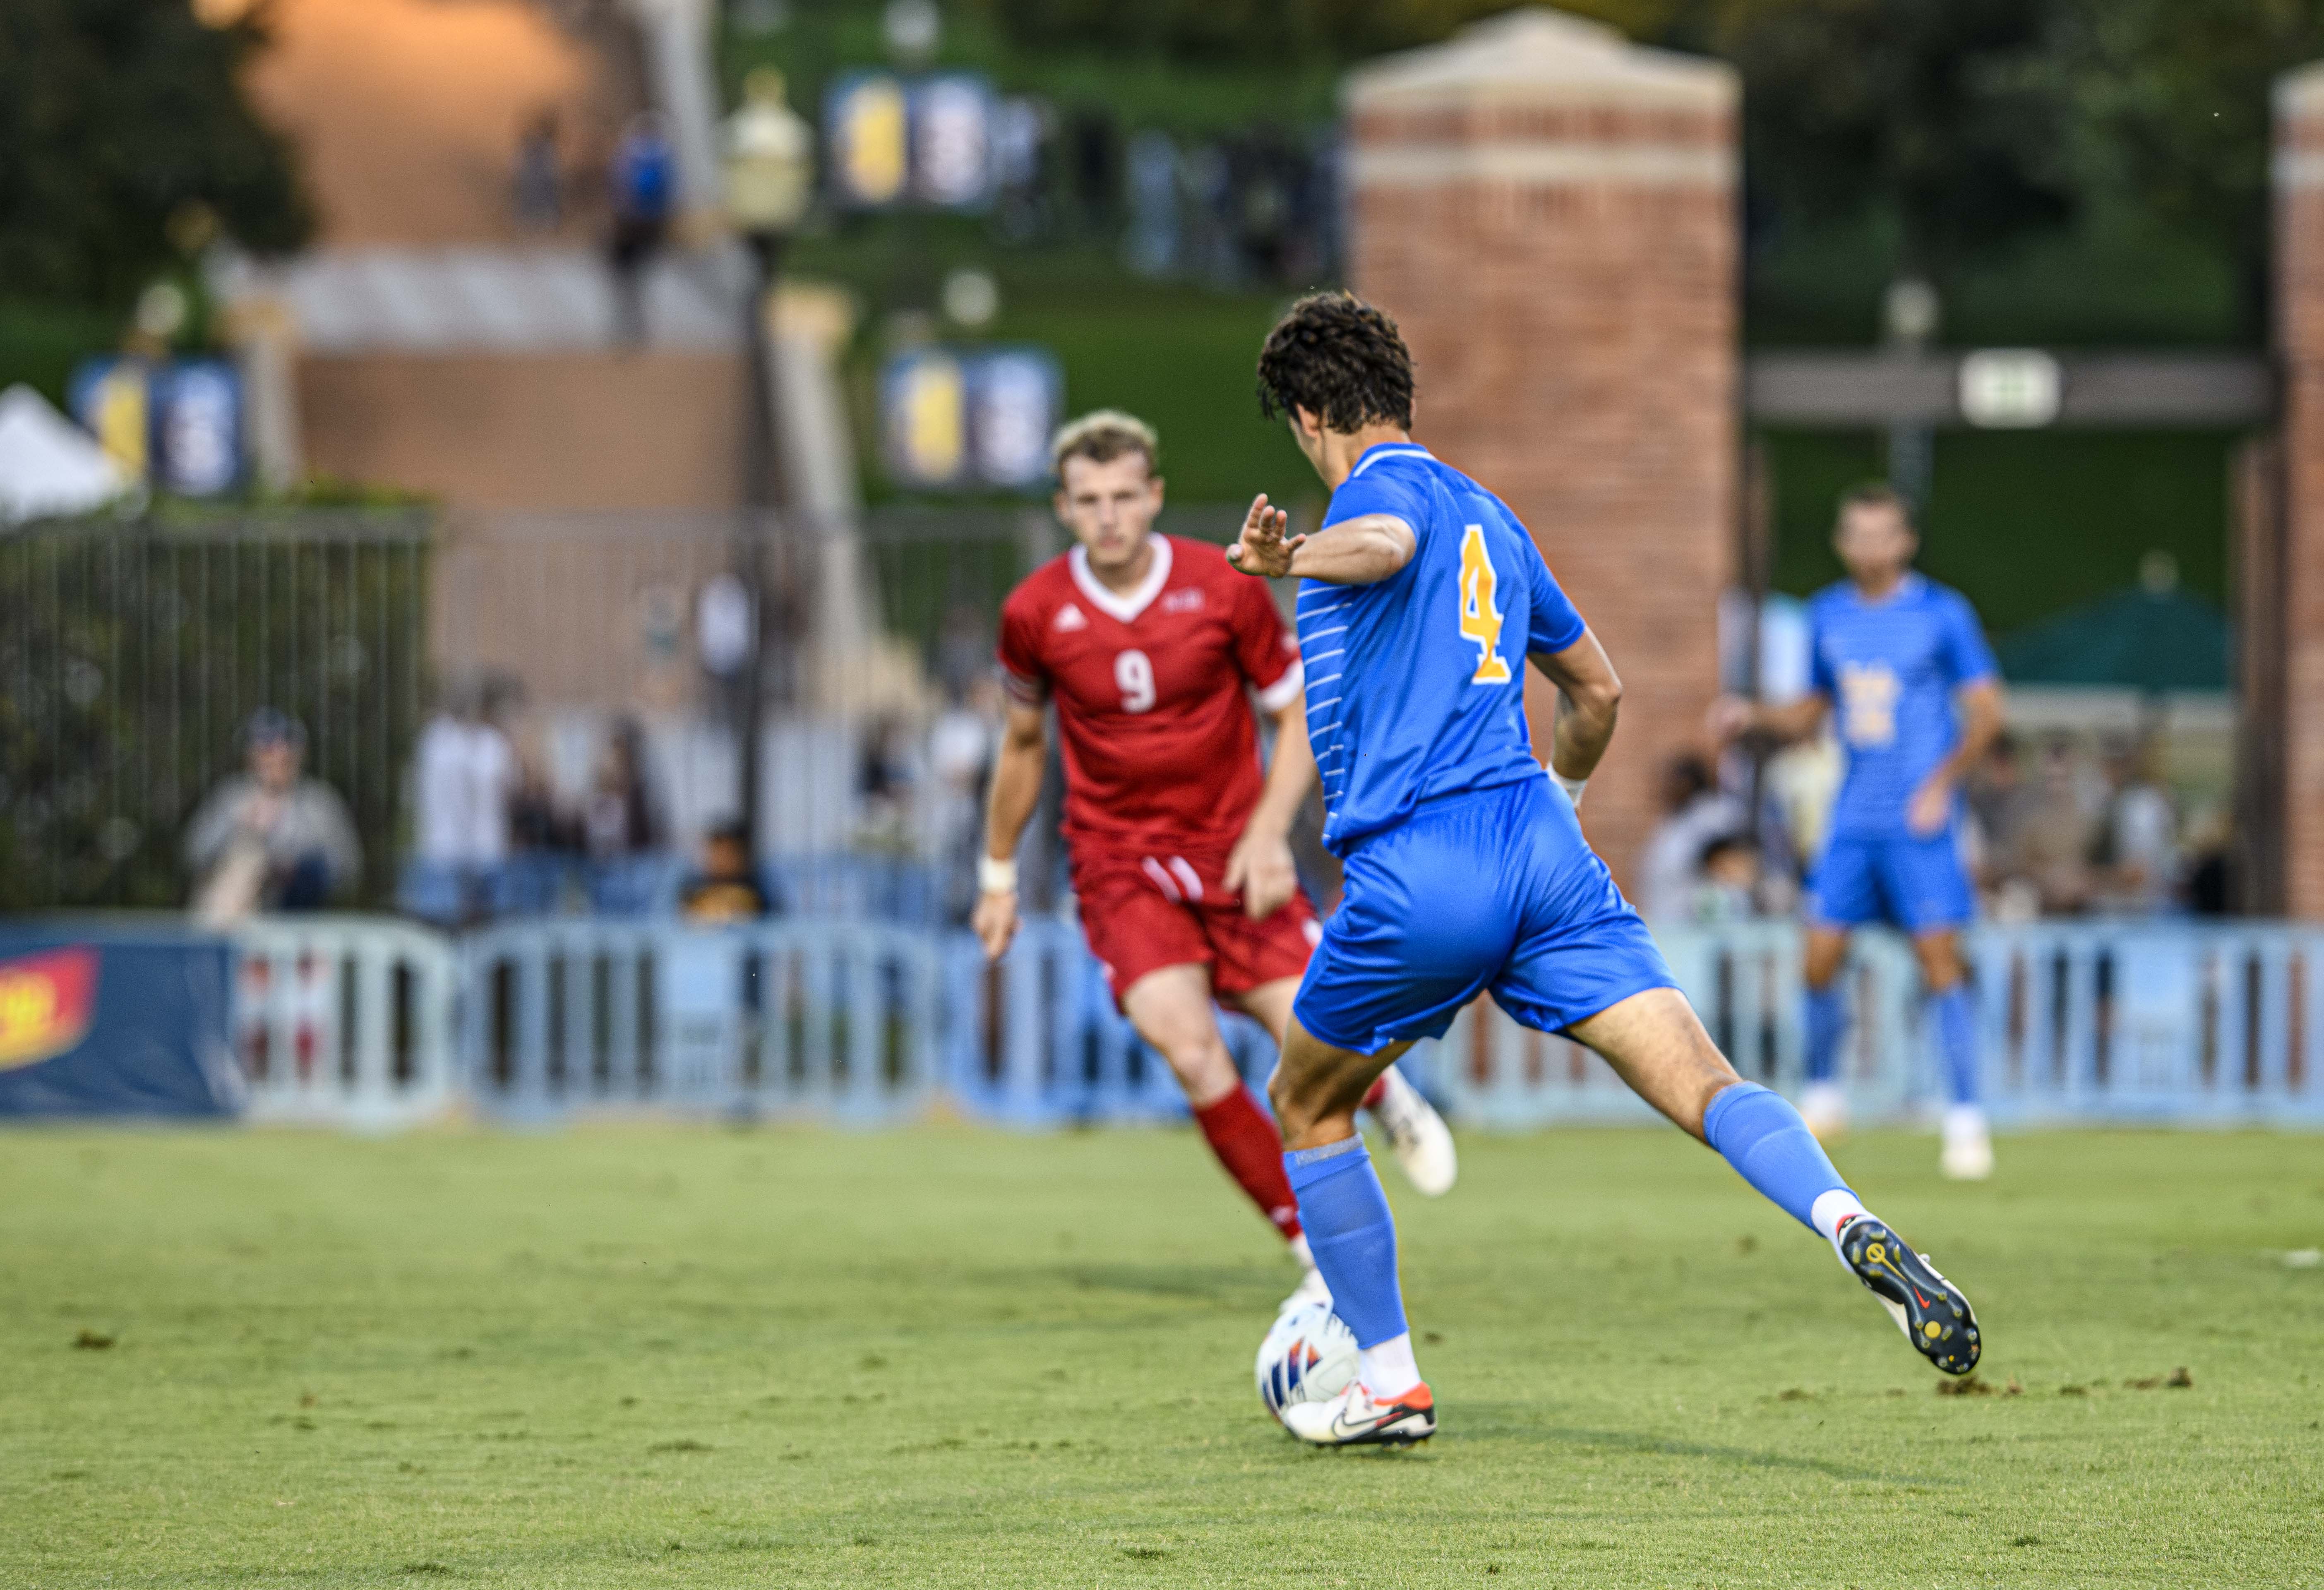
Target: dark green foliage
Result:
[[113, 115], [130, 656], [1934, 111]]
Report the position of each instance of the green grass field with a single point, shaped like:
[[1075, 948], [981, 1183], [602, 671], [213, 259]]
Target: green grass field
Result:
[[659, 1355]]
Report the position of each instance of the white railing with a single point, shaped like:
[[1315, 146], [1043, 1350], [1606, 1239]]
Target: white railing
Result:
[[373, 1022], [835, 1017], [2170, 1021], [345, 1020]]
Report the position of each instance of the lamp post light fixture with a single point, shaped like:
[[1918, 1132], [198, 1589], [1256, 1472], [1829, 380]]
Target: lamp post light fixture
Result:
[[770, 172]]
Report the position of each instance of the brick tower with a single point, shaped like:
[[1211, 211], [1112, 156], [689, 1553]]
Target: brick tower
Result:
[[2283, 572], [1549, 212]]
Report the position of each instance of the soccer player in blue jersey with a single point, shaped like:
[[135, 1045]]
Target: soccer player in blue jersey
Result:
[[1901, 663], [1422, 600]]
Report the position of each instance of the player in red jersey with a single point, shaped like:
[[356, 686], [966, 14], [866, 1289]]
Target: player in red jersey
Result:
[[1152, 647]]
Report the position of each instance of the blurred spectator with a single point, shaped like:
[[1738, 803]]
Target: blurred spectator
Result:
[[725, 888], [643, 187], [1151, 247], [2051, 846], [1727, 874], [1695, 812], [267, 839], [539, 185], [467, 782], [885, 781], [620, 817], [1094, 158], [1020, 135], [2142, 830], [960, 758], [2210, 862], [2000, 803]]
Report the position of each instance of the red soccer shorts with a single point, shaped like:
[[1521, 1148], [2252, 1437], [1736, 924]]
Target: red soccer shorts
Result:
[[1143, 912]]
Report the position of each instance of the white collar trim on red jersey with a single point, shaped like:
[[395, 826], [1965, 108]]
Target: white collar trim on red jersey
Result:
[[1128, 607]]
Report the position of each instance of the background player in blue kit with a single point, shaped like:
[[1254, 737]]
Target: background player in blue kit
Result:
[[1904, 664], [1422, 601]]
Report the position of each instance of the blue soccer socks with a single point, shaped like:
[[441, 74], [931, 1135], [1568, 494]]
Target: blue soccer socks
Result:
[[1763, 1137], [1827, 1025], [1957, 1042], [1346, 1217]]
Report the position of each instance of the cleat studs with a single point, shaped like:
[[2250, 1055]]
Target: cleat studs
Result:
[[1929, 1329]]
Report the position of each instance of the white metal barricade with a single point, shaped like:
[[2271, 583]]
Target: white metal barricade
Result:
[[345, 1020], [2165, 1021], [373, 1022], [836, 1016], [1743, 980]]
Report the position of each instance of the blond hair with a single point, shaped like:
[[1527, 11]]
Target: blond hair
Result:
[[1102, 435]]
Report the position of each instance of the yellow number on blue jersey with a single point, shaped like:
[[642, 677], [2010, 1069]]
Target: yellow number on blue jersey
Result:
[[1480, 616], [1868, 693]]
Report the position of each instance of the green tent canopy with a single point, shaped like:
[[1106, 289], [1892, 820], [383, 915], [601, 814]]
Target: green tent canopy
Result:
[[2137, 639]]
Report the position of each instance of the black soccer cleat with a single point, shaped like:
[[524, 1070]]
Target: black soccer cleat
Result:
[[1932, 1312]]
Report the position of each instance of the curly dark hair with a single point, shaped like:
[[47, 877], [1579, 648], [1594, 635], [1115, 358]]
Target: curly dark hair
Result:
[[1335, 355]]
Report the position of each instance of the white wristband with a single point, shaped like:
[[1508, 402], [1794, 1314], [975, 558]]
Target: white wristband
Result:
[[1572, 787], [996, 876]]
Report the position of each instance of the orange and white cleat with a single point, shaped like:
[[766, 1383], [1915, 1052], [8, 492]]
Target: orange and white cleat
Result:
[[1355, 1418]]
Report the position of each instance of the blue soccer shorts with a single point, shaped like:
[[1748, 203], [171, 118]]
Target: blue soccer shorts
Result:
[[1491, 890], [1916, 884]]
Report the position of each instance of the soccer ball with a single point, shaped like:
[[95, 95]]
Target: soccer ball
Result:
[[1309, 1356]]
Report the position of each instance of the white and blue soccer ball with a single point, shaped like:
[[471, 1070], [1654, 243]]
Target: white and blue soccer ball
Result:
[[1309, 1356]]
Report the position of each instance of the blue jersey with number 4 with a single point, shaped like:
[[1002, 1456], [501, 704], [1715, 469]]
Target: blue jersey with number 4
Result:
[[1891, 669], [1416, 685]]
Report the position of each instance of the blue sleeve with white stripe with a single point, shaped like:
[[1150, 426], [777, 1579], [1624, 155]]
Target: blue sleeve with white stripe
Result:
[[1556, 623], [1379, 491]]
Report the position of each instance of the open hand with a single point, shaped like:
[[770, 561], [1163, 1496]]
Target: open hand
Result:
[[1260, 866], [1264, 549], [1930, 809], [1730, 717], [994, 920]]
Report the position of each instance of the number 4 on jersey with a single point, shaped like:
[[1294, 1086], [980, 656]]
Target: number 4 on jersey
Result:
[[1481, 615]]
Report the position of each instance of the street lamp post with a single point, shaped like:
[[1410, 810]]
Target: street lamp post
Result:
[[769, 170]]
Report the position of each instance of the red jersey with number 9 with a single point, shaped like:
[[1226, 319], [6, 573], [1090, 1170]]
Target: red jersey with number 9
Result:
[[1161, 750]]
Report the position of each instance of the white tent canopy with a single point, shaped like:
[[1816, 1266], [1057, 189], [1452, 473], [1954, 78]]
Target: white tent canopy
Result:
[[48, 466]]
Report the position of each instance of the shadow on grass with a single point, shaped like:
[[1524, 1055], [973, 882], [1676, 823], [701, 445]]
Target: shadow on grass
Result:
[[1503, 1424]]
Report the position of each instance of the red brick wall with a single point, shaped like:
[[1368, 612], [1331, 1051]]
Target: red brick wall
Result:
[[1564, 264], [2300, 334], [617, 429]]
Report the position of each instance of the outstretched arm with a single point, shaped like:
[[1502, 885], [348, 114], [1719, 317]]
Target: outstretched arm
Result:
[[1015, 791], [1733, 716], [1932, 805], [1588, 699], [1358, 551], [1260, 864]]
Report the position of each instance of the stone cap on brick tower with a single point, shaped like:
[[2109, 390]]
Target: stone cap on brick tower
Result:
[[1534, 56], [2300, 93], [1536, 96], [2298, 159]]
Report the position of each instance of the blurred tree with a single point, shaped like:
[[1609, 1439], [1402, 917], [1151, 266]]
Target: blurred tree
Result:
[[2168, 101], [1333, 29], [115, 116], [1942, 114]]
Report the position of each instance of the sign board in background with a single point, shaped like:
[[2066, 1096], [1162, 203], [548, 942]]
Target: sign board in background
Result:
[[177, 425], [930, 141], [954, 419], [105, 1022]]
